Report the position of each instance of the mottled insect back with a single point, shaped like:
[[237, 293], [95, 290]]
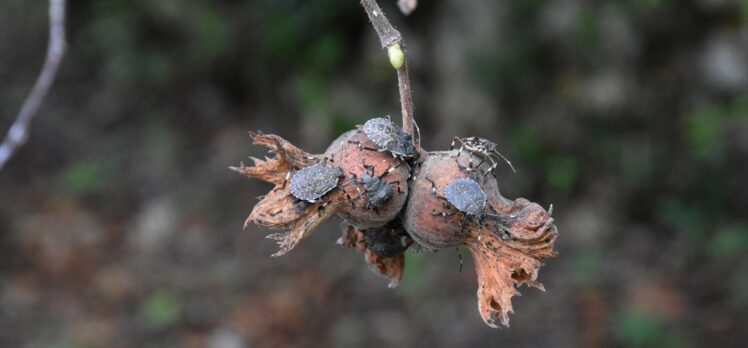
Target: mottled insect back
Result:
[[389, 137], [466, 195], [376, 190], [311, 183]]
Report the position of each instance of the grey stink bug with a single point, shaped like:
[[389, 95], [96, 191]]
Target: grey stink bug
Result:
[[376, 190], [388, 136], [466, 195], [310, 184]]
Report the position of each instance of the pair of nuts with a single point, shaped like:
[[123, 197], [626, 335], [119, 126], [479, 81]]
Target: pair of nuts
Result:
[[394, 195]]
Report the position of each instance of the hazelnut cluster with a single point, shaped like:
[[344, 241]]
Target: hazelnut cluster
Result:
[[394, 196]]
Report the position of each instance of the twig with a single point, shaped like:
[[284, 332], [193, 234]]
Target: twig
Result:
[[406, 104], [388, 35], [392, 41], [18, 132]]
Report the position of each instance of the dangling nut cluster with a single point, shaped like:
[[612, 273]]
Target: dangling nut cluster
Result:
[[394, 196]]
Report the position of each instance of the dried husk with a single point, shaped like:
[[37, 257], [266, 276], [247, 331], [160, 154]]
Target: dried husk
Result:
[[391, 267], [507, 243], [507, 252], [279, 209]]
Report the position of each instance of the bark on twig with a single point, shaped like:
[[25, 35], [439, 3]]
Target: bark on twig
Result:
[[406, 104], [389, 37], [18, 132]]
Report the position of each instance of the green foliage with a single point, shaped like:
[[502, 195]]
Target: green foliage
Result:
[[562, 172], [112, 32], [302, 34], [640, 7], [587, 264], [377, 71], [686, 219], [529, 6], [325, 53], [212, 34], [161, 309], [503, 67], [158, 67], [340, 124], [588, 30], [636, 168], [740, 288], [729, 242], [649, 4], [704, 132], [83, 177], [281, 37], [313, 93], [528, 144], [640, 330], [414, 275], [706, 126], [693, 221]]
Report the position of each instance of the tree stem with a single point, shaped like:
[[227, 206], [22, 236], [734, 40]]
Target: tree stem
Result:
[[389, 36], [19, 130]]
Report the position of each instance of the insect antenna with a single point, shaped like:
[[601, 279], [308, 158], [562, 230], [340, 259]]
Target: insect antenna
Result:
[[506, 160], [459, 256]]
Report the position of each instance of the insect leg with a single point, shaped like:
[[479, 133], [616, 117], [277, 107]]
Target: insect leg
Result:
[[445, 214], [355, 181], [459, 256], [388, 170], [321, 208], [463, 168], [492, 167], [361, 146], [370, 168], [433, 188], [347, 196], [398, 185], [285, 180], [506, 160]]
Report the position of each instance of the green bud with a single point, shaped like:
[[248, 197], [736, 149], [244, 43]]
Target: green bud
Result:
[[396, 55]]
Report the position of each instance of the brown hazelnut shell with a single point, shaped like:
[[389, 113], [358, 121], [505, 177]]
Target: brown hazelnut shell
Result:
[[349, 152]]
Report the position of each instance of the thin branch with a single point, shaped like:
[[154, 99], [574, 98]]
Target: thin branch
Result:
[[389, 37], [406, 103], [18, 132]]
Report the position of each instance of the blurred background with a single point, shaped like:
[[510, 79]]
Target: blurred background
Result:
[[121, 226]]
